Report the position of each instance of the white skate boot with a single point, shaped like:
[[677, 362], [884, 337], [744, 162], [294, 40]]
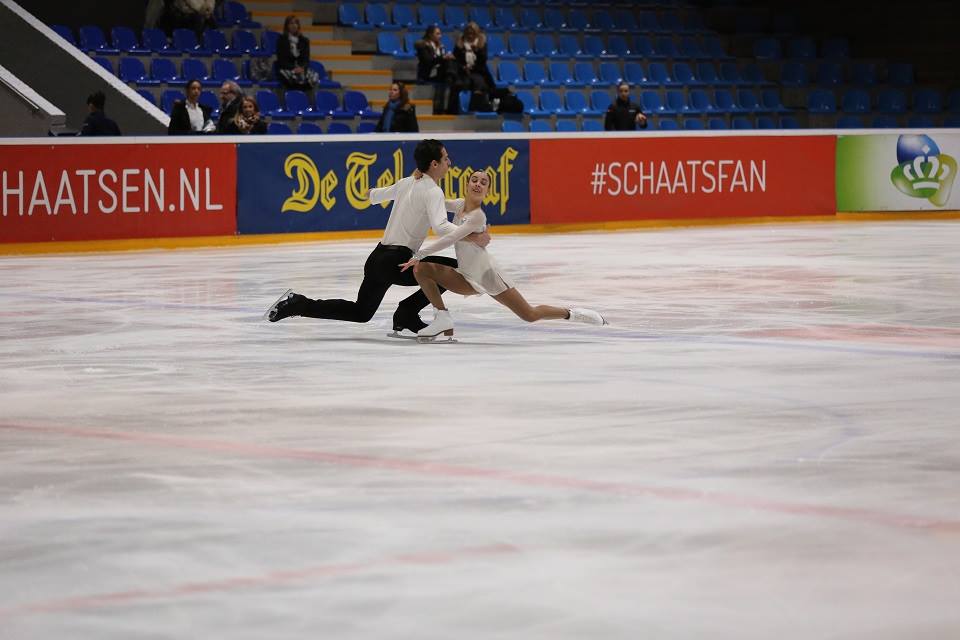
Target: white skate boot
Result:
[[586, 316], [442, 324]]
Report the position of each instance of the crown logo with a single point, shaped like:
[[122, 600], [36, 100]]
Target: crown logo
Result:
[[922, 171]]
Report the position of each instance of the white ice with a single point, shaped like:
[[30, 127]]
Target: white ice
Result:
[[763, 444]]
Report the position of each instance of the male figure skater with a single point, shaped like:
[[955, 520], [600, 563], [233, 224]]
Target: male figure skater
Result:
[[418, 205]]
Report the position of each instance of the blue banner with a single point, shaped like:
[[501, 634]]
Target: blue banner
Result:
[[321, 186]]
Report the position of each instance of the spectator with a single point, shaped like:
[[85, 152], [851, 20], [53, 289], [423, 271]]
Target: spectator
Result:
[[472, 72], [247, 119], [624, 114], [399, 114], [196, 15], [434, 66], [97, 123], [189, 116], [293, 57], [230, 97]]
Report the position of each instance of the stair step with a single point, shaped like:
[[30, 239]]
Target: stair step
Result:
[[274, 19]]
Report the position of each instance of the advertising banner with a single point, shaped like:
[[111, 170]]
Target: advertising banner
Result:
[[114, 191], [322, 186], [685, 177], [889, 172]]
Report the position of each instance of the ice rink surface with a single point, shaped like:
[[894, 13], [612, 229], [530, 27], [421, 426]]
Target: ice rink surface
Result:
[[765, 443]]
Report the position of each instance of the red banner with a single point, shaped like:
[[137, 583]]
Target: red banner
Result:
[[684, 177], [112, 191]]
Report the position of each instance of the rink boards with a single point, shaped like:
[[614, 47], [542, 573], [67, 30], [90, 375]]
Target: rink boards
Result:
[[81, 190]]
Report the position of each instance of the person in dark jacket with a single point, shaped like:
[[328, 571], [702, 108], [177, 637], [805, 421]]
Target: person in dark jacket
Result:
[[189, 116], [470, 52], [230, 98], [624, 114], [97, 123], [247, 120], [434, 66], [399, 114], [293, 57]]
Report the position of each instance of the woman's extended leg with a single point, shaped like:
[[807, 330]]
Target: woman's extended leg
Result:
[[512, 299], [430, 274]]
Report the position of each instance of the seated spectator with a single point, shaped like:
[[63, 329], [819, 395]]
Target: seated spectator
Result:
[[624, 114], [247, 119], [189, 116], [230, 97], [97, 123], [472, 73], [293, 57], [196, 15], [434, 66], [399, 114]]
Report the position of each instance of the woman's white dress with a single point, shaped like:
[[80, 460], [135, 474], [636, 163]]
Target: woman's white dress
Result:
[[474, 263]]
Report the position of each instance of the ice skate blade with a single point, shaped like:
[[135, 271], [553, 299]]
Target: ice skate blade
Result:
[[266, 316], [396, 334], [438, 339]]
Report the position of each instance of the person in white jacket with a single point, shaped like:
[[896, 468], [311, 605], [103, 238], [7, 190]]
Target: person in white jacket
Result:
[[418, 206], [476, 271]]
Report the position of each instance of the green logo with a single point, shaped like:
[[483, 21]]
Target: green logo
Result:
[[923, 172]]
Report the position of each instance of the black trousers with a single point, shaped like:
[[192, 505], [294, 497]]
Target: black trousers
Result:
[[380, 272]]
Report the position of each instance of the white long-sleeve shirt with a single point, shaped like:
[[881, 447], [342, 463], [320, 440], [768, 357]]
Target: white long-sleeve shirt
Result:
[[418, 206]]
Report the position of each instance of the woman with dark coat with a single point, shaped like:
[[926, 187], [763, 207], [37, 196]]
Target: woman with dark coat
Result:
[[293, 57], [470, 52], [399, 114], [189, 116], [434, 66]]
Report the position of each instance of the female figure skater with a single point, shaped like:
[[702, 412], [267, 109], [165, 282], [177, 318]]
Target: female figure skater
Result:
[[477, 272]]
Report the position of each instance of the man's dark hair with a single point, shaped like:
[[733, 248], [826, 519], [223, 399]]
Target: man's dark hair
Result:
[[426, 152], [97, 100], [190, 82]]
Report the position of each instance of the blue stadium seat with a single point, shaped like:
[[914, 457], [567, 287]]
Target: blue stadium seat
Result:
[[577, 102], [584, 74], [829, 74], [892, 101], [927, 101], [427, 15], [730, 73], [753, 74], [479, 14], [350, 15], [610, 73], [309, 129], [834, 48], [367, 126], [578, 20], [497, 47], [742, 122], [339, 128], [748, 101], [551, 102], [208, 99], [723, 98], [567, 125], [508, 73], [885, 122], [534, 73], [570, 46], [953, 101], [541, 126], [643, 47], [789, 122], [717, 124], [863, 73], [512, 126], [920, 121], [667, 124], [821, 101], [404, 18], [625, 21], [690, 48], [269, 103], [223, 69], [530, 19], [327, 103], [244, 41], [617, 44], [855, 101], [707, 73], [850, 122], [652, 105], [766, 122], [388, 43], [560, 73], [692, 124], [666, 47], [545, 44], [658, 74], [592, 125], [952, 121], [594, 46], [268, 41], [683, 74], [132, 70], [504, 17], [296, 103], [235, 15], [898, 73], [92, 39], [699, 102], [635, 74], [715, 49], [356, 102], [278, 129], [770, 99], [676, 102], [125, 39], [602, 20], [64, 32], [530, 105], [148, 96], [794, 74], [521, 47], [186, 41], [649, 21], [802, 48], [214, 40], [105, 63], [163, 70], [600, 101], [192, 68], [168, 97], [766, 48], [378, 15]]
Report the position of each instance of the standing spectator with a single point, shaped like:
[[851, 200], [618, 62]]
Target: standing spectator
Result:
[[434, 64], [97, 123], [196, 15], [473, 74], [230, 97], [624, 114], [399, 114], [293, 57], [247, 119], [189, 116]]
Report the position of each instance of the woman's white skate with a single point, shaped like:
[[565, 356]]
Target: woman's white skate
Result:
[[440, 330]]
